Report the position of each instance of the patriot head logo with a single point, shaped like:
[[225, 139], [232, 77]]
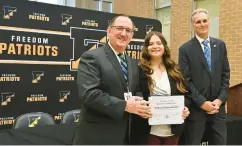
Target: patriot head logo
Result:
[[37, 76], [33, 120], [8, 11], [65, 19], [6, 98], [76, 116], [63, 95], [149, 28]]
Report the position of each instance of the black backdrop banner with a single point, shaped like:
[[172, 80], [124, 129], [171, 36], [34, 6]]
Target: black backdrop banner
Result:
[[40, 48]]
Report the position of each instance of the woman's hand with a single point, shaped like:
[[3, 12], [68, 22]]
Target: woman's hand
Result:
[[185, 113]]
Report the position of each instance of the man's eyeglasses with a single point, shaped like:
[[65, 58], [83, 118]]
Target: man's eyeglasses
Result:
[[120, 29]]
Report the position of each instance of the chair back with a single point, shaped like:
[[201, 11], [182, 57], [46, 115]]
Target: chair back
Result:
[[33, 119], [71, 117]]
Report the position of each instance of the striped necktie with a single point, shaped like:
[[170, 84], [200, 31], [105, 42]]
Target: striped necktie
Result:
[[124, 65], [207, 53]]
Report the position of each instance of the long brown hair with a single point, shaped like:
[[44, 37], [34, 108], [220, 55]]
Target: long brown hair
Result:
[[170, 65]]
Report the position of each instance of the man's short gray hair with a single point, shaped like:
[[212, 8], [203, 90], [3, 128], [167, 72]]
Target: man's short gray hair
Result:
[[199, 10]]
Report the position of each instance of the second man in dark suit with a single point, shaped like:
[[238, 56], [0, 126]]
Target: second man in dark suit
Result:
[[204, 63]]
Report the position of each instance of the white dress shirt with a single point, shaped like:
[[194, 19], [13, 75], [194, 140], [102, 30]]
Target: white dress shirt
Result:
[[115, 52], [162, 88], [201, 42]]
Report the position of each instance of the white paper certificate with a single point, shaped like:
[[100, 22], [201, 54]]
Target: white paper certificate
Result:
[[166, 110]]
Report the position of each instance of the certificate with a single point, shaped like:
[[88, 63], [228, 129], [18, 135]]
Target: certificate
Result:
[[166, 110]]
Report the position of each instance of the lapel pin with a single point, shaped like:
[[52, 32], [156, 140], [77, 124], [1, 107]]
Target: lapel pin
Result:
[[214, 45]]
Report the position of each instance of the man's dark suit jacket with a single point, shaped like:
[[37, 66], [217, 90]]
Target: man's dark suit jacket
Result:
[[203, 84], [101, 87], [140, 128]]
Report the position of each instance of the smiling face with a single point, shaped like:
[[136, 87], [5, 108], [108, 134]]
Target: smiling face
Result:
[[120, 33], [201, 24], [156, 48]]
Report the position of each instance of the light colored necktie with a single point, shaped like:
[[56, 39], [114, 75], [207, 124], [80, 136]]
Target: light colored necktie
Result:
[[207, 53]]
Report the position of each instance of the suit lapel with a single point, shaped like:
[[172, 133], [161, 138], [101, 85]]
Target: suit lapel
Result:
[[213, 47], [172, 85], [199, 50], [129, 62], [114, 61]]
